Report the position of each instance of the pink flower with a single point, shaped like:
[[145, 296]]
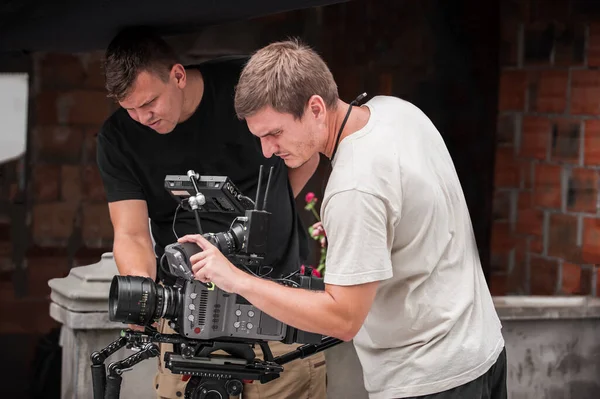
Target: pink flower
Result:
[[309, 197], [316, 273]]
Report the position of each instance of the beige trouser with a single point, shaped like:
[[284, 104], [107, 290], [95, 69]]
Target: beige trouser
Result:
[[301, 378]]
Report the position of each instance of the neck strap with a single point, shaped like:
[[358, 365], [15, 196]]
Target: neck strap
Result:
[[339, 133]]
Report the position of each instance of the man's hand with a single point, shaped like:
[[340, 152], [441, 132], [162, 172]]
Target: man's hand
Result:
[[210, 265]]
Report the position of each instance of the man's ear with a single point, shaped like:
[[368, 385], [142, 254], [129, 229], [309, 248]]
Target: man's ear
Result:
[[178, 73], [316, 106]]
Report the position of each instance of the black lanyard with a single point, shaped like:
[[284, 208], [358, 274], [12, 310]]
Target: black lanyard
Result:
[[356, 101]]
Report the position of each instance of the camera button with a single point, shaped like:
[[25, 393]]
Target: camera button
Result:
[[249, 326], [238, 312], [250, 313], [236, 324], [191, 317]]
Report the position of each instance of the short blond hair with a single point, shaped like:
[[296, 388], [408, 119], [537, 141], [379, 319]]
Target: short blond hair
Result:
[[284, 75]]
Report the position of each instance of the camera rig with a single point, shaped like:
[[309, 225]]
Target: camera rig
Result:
[[216, 331]]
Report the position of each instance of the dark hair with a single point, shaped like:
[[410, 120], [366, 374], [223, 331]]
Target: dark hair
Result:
[[132, 51]]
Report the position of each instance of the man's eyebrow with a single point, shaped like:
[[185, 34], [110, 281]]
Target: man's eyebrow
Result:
[[271, 132], [145, 103]]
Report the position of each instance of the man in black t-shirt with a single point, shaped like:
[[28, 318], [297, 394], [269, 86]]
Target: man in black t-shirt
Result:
[[172, 119]]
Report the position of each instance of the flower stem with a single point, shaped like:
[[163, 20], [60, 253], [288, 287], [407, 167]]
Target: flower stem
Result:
[[316, 214]]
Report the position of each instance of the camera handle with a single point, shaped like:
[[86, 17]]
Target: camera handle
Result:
[[196, 201]]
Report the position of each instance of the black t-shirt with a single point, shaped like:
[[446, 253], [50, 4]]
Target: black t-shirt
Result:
[[134, 159]]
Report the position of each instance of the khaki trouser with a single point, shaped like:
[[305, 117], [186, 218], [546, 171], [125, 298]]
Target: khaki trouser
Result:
[[300, 379]]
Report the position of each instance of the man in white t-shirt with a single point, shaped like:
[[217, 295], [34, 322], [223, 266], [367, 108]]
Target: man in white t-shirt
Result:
[[403, 278]]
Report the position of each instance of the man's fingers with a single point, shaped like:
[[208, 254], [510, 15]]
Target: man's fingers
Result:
[[196, 266], [197, 257], [197, 239], [203, 242]]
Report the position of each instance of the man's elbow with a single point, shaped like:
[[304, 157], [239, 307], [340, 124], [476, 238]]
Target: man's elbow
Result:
[[348, 330]]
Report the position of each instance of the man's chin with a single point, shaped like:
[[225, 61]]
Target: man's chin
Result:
[[163, 129], [293, 163]]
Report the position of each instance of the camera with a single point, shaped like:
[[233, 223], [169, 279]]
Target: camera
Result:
[[205, 318]]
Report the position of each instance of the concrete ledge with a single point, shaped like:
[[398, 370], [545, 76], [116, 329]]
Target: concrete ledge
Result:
[[547, 308]]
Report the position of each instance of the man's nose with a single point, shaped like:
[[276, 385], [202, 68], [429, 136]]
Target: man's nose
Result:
[[267, 148], [145, 117]]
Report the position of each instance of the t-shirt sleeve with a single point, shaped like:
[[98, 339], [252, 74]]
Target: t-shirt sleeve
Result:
[[117, 177], [359, 238]]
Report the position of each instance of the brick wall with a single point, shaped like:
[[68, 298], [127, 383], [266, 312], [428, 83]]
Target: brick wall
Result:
[[546, 229], [64, 216]]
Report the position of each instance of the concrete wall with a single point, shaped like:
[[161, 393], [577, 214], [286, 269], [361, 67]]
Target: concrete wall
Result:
[[552, 345]]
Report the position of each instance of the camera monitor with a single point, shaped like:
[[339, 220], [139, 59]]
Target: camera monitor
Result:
[[218, 192]]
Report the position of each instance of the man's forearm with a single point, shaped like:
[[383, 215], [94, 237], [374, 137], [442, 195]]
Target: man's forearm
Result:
[[134, 256], [312, 311]]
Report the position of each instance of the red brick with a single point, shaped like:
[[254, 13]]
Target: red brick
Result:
[[71, 184], [57, 143], [40, 269], [591, 154], [501, 205], [566, 140], [77, 107], [46, 178], [593, 54], [516, 281], [571, 279], [498, 284], [525, 173], [505, 130], [60, 71], [53, 223], [536, 245], [548, 91], [535, 137], [569, 44], [97, 228], [94, 76], [547, 186], [587, 279], [89, 145], [562, 238], [582, 190], [530, 222], [591, 240], [93, 188], [543, 276], [499, 262], [585, 92], [525, 200], [513, 85], [506, 170], [502, 240], [88, 256]]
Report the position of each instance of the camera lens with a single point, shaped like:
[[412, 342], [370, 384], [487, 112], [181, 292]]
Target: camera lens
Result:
[[228, 242], [139, 300]]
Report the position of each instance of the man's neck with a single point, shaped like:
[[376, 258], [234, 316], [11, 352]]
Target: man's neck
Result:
[[192, 93], [358, 118]]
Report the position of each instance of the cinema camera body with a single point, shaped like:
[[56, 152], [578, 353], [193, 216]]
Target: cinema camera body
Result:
[[206, 318]]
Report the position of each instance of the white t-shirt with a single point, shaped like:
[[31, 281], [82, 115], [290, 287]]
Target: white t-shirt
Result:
[[394, 212]]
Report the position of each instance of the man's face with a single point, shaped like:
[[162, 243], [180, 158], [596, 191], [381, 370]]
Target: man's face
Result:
[[154, 102], [293, 140]]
